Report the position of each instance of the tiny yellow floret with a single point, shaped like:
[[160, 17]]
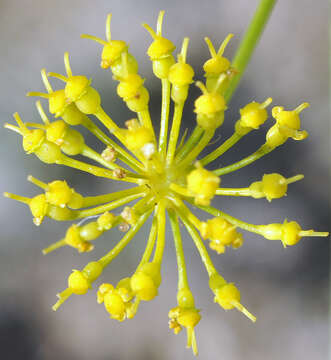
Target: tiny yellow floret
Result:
[[209, 107], [202, 184], [188, 318], [287, 125], [254, 114], [58, 193], [221, 233], [106, 221], [145, 281], [38, 206], [78, 283], [272, 186]]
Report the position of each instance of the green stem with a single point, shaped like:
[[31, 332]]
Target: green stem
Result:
[[263, 150], [207, 136], [91, 169], [102, 199], [161, 228], [166, 90], [233, 139], [200, 246], [174, 132], [105, 260], [150, 243], [249, 42], [93, 155], [188, 146], [146, 121], [182, 211], [233, 192], [182, 274], [109, 206]]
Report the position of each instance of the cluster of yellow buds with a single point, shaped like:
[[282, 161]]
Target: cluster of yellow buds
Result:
[[169, 176], [117, 300], [221, 233], [202, 185], [122, 302]]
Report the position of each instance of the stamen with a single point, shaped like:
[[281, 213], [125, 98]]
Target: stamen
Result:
[[202, 87], [150, 30], [36, 125], [133, 310], [67, 64], [63, 296], [13, 128], [108, 32], [294, 179], [37, 93], [210, 47], [313, 233], [19, 198], [42, 113], [301, 107], [37, 182], [242, 309], [45, 81], [54, 246], [224, 44], [266, 103], [194, 343], [58, 76], [94, 38], [189, 338], [20, 122], [159, 23], [182, 56]]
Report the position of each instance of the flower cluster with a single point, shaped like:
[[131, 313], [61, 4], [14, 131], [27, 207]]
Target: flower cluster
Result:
[[167, 177]]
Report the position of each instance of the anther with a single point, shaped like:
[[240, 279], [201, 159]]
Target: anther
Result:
[[119, 173], [109, 154]]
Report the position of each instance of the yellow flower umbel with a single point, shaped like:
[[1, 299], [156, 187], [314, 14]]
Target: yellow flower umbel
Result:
[[168, 175]]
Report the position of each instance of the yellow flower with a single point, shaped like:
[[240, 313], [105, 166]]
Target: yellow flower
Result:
[[168, 175]]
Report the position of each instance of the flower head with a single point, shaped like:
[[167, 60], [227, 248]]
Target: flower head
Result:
[[168, 175]]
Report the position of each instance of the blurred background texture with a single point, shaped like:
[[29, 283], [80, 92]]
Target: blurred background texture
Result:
[[287, 289]]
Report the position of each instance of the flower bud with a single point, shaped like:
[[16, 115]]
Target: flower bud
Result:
[[78, 283], [202, 184], [76, 87], [106, 221], [57, 102], [38, 206], [112, 52], [89, 103]]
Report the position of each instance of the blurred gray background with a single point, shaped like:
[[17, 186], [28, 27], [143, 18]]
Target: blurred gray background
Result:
[[287, 289]]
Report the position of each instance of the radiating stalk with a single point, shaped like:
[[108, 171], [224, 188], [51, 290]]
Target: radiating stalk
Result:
[[166, 87]]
